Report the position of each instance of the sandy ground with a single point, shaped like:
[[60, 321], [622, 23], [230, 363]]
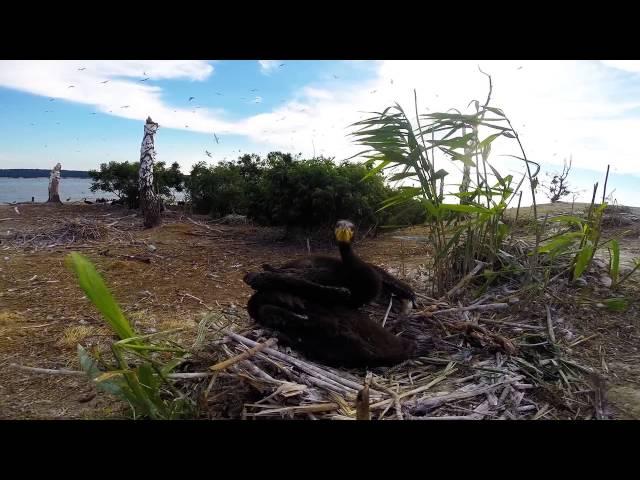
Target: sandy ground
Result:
[[187, 270]]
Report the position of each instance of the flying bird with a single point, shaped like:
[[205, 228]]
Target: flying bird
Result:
[[208, 153], [336, 77], [71, 86], [253, 90], [186, 126], [392, 81], [93, 113], [83, 68], [282, 65], [105, 81], [191, 98], [144, 79], [216, 137], [125, 106], [218, 93], [520, 67], [144, 74], [51, 99], [373, 91]]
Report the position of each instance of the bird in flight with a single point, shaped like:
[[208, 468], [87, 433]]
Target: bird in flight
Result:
[[373, 91], [216, 137], [125, 106], [392, 81], [253, 90], [191, 98], [144, 79], [144, 74], [520, 67], [282, 65], [186, 126], [218, 93], [71, 86], [83, 68], [51, 99], [105, 81], [208, 153], [336, 77], [93, 113]]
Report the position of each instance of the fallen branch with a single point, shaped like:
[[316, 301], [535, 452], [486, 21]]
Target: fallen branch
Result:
[[510, 324], [464, 280], [384, 320], [552, 335], [243, 356], [423, 406], [304, 366], [490, 306]]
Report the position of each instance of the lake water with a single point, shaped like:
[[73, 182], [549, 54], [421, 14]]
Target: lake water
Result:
[[22, 189]]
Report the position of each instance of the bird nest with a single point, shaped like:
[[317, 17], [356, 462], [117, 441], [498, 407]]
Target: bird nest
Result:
[[481, 367], [61, 233]]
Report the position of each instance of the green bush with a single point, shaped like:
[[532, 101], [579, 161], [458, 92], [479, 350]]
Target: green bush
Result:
[[289, 191], [121, 178]]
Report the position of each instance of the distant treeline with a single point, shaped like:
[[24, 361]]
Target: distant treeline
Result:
[[39, 172]]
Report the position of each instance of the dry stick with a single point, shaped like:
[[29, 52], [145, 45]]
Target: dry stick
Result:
[[307, 367], [518, 209], [319, 407], [436, 380], [243, 356], [552, 335], [510, 324], [394, 395], [436, 402], [384, 320], [8, 218], [362, 402], [205, 226], [63, 371], [48, 371], [490, 306], [464, 280], [606, 178], [258, 372]]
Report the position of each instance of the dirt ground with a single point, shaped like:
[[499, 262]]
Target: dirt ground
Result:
[[170, 276]]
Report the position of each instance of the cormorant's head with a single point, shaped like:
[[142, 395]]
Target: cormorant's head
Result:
[[344, 231]]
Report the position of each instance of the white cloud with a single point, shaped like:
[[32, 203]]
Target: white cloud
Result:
[[267, 66], [627, 65], [559, 107]]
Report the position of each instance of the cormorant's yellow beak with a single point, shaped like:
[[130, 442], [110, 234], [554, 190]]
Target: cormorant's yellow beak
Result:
[[344, 234]]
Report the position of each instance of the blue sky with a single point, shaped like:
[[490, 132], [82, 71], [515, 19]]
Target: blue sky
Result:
[[587, 109]]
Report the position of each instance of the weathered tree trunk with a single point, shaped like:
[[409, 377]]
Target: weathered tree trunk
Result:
[[54, 183], [149, 201]]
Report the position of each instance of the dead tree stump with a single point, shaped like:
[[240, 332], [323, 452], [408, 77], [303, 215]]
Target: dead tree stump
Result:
[[149, 200], [54, 184]]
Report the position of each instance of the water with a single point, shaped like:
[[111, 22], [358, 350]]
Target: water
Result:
[[74, 189], [22, 189]]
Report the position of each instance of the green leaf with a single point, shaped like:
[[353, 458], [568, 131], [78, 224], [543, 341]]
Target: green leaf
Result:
[[453, 207], [87, 363], [509, 134], [488, 140], [497, 111], [616, 304], [560, 243], [440, 174], [568, 219], [94, 287], [401, 176], [582, 260], [614, 270]]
